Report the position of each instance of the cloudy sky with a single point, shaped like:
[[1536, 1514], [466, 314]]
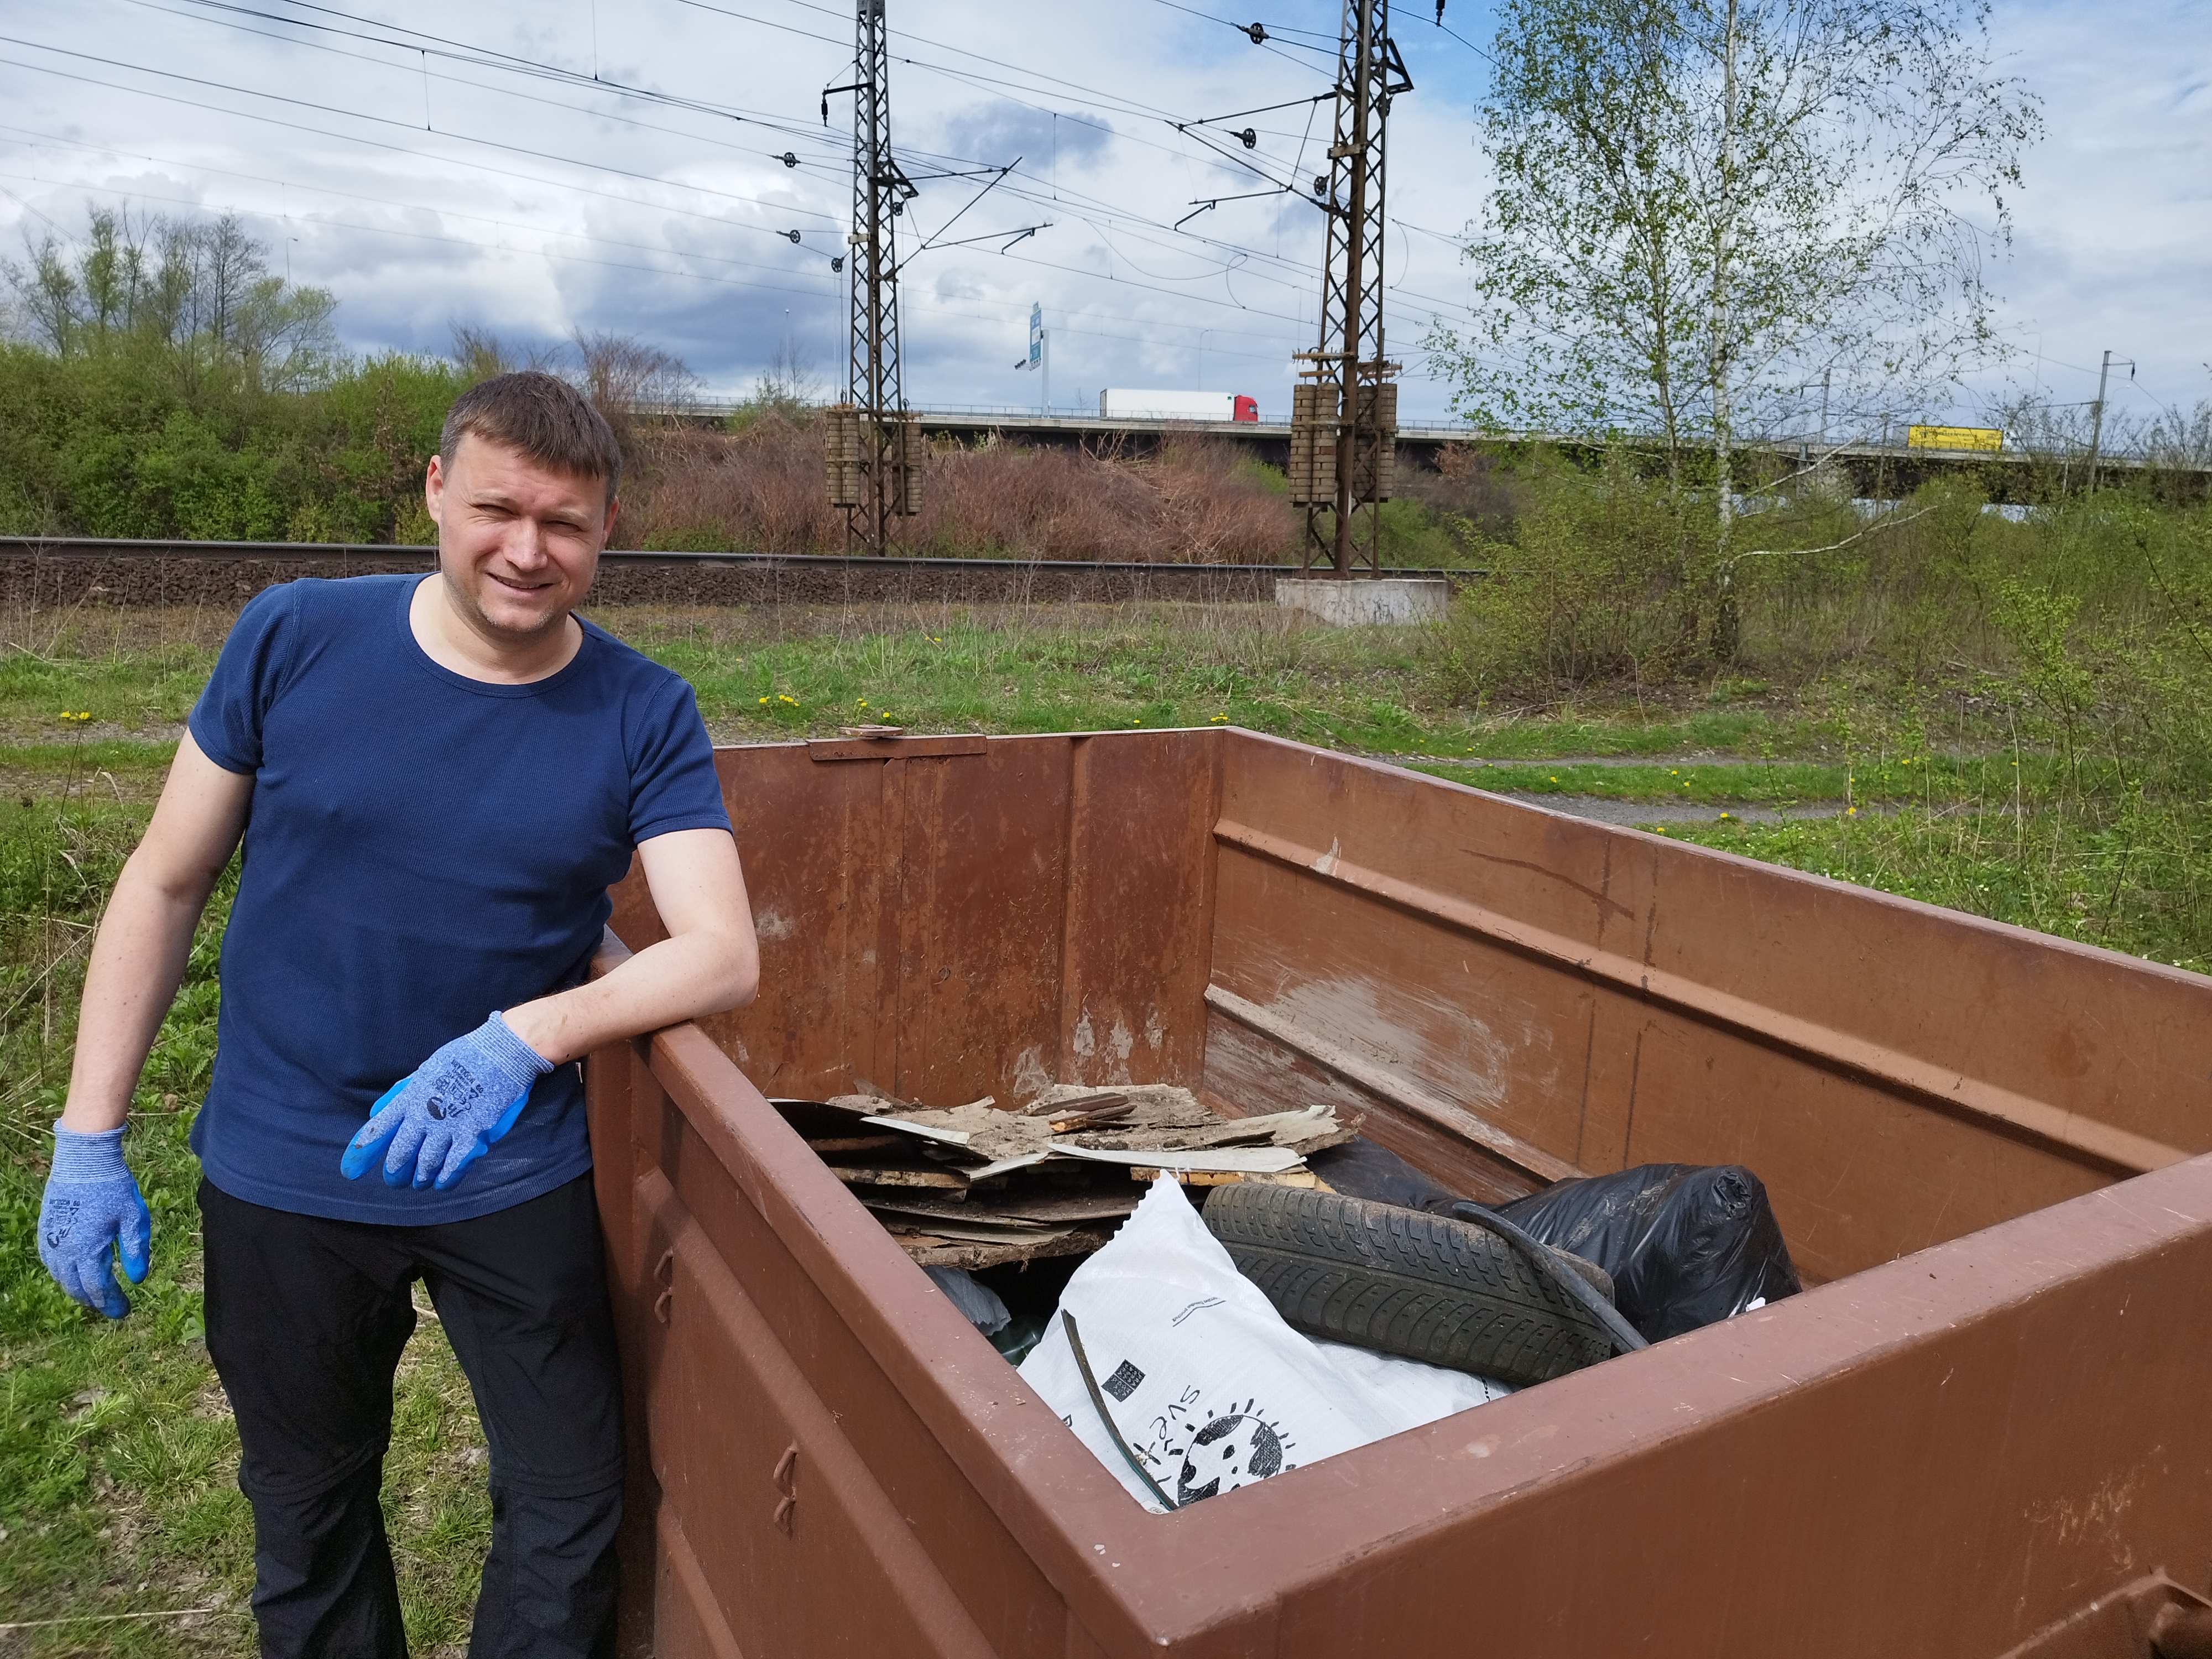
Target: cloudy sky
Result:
[[539, 168]]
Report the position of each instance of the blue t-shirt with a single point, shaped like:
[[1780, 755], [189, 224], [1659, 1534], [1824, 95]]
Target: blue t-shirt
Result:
[[423, 848]]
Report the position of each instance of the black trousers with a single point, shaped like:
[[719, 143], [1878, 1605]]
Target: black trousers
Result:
[[306, 1320]]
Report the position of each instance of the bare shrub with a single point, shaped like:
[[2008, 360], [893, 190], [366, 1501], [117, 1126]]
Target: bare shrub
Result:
[[762, 489], [1468, 484]]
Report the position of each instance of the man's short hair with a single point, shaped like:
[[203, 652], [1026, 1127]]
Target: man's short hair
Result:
[[541, 418]]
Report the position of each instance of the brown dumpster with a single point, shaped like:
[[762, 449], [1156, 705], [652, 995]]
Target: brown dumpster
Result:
[[1983, 1429]]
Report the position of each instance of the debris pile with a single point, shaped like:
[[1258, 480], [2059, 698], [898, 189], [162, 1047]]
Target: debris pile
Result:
[[979, 1185]]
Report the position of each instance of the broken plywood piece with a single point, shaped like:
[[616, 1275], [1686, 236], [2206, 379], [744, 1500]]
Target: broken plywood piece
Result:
[[1013, 1209], [1305, 1178], [978, 1128], [929, 1252], [927, 1131], [1239, 1160], [1309, 1129], [1163, 1105], [1082, 1145], [853, 1176], [960, 1232]]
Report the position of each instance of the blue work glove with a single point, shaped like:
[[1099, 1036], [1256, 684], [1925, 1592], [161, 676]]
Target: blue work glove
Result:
[[92, 1205], [444, 1116]]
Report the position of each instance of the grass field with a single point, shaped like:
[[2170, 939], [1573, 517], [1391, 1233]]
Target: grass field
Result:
[[118, 1451]]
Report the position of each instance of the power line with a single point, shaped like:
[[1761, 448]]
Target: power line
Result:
[[404, 149], [486, 57], [1239, 251], [1259, 35], [557, 185], [1271, 30], [800, 131], [481, 56], [548, 253], [443, 212], [630, 201], [459, 241], [1464, 41], [383, 120], [1112, 103]]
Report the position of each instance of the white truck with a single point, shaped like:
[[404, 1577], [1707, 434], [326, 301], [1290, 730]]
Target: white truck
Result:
[[1118, 403]]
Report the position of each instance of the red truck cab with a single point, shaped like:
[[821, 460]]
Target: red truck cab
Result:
[[1248, 408]]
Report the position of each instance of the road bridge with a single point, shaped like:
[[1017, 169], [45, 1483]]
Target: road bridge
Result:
[[1883, 471]]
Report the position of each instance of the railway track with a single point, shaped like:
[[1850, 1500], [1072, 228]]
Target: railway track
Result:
[[53, 571]]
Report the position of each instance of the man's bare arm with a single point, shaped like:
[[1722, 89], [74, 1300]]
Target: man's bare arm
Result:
[[146, 935], [709, 962]]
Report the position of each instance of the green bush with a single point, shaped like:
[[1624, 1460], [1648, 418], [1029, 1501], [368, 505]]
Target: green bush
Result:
[[1605, 576], [117, 444]]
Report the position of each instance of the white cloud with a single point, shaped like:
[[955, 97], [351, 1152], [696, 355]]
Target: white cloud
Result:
[[425, 190]]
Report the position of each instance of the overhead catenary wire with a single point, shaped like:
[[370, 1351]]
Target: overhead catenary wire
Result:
[[1231, 256], [34, 140], [786, 129], [482, 55], [569, 185], [465, 241], [1071, 269], [1261, 36], [1273, 30], [537, 154], [502, 60], [828, 292], [381, 120]]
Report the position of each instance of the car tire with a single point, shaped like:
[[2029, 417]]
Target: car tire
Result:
[[1406, 1282]]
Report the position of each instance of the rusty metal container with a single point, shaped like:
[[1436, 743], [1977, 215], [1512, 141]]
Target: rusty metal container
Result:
[[1982, 1429]]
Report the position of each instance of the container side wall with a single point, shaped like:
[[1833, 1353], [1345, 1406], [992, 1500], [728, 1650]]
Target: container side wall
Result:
[[1941, 1454], [1897, 1074], [1966, 1445], [948, 926], [821, 856], [981, 877], [1140, 873], [787, 1493]]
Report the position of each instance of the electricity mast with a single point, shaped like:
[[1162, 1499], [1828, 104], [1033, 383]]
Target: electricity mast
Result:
[[1344, 413], [874, 453]]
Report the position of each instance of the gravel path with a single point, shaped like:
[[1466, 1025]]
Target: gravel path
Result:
[[1600, 810]]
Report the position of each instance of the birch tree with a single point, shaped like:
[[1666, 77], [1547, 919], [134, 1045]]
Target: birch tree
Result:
[[202, 293], [1701, 207]]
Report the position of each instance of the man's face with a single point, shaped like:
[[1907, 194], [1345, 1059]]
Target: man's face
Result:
[[517, 543]]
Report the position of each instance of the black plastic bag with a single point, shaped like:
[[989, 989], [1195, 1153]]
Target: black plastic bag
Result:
[[1361, 1168], [1686, 1244]]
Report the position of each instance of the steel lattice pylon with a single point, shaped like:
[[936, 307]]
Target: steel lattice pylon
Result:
[[1345, 410], [873, 463]]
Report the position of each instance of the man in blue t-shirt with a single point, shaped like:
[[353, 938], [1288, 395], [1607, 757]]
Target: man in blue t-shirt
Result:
[[436, 780]]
